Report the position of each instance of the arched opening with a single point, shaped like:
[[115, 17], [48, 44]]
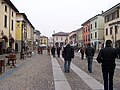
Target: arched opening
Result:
[[16, 47], [4, 43]]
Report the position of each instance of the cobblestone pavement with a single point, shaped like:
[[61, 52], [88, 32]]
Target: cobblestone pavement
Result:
[[97, 73], [75, 82], [36, 73]]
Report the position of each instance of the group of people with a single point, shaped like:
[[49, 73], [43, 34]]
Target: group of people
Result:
[[106, 57], [53, 50]]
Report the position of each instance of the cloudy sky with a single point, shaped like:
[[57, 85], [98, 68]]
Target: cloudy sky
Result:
[[61, 15]]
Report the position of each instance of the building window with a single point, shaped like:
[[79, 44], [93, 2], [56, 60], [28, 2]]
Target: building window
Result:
[[91, 26], [91, 35], [95, 34], [112, 16], [56, 38], [86, 29], [5, 21], [12, 13], [61, 38], [86, 38], [111, 28], [12, 25], [117, 13], [106, 31], [95, 24], [116, 29], [44, 40], [5, 8]]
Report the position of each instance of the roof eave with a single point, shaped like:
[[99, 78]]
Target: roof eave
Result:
[[11, 4]]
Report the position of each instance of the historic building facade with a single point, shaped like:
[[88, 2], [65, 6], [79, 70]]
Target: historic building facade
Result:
[[24, 33], [112, 24], [60, 39], [7, 25], [72, 38], [79, 38], [97, 31], [86, 32], [43, 41]]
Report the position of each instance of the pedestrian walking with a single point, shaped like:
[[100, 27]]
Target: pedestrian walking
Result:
[[48, 50], [58, 51], [89, 51], [106, 57], [67, 54], [82, 51], [53, 51], [118, 51]]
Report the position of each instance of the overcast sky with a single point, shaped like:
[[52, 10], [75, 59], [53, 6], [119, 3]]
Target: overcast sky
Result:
[[61, 15]]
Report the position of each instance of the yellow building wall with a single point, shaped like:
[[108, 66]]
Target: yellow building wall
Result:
[[18, 30]]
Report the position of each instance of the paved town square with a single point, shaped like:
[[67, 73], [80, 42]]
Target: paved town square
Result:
[[43, 72]]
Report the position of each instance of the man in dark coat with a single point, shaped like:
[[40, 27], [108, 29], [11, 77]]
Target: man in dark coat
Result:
[[107, 57], [58, 51], [68, 54], [118, 51], [89, 51], [53, 51], [82, 51]]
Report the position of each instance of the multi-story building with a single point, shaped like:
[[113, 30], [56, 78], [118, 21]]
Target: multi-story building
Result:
[[7, 25], [36, 38], [50, 41], [60, 39], [72, 38], [86, 32], [24, 33], [97, 31], [43, 41], [79, 35], [112, 24]]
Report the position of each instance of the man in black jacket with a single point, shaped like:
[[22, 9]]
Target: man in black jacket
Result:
[[68, 54], [90, 51], [53, 51], [107, 57]]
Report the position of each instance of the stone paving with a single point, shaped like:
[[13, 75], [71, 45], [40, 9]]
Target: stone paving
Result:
[[36, 73], [97, 73]]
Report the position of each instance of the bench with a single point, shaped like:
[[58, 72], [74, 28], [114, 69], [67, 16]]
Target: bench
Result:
[[11, 58]]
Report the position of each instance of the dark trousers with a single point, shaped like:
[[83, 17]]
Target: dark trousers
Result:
[[82, 55], [58, 54], [108, 80], [67, 64], [90, 60]]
